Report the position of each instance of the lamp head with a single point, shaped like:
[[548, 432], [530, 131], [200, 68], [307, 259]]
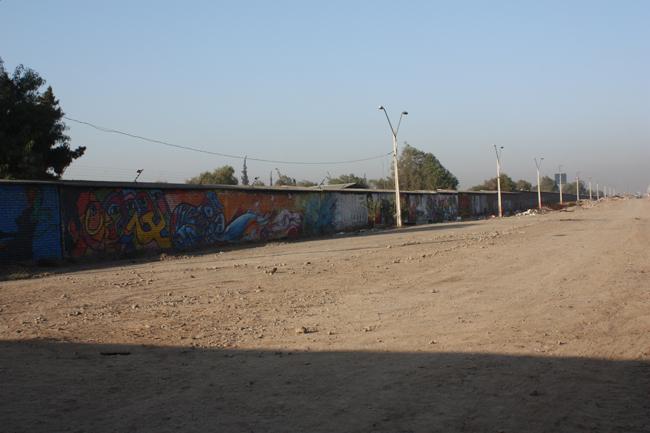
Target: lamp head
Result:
[[405, 113], [381, 107]]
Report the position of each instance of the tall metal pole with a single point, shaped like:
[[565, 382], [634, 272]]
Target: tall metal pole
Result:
[[539, 188], [398, 204], [578, 186], [590, 189], [597, 192], [499, 177], [560, 176]]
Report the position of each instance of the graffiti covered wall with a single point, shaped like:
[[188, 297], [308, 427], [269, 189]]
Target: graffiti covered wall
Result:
[[117, 221], [423, 208], [53, 220], [381, 209], [29, 223]]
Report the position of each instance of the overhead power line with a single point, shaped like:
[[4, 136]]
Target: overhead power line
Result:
[[209, 152]]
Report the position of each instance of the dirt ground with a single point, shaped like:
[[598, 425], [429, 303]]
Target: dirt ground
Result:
[[535, 323]]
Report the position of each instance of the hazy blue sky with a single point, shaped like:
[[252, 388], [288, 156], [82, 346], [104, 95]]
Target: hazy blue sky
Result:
[[567, 80]]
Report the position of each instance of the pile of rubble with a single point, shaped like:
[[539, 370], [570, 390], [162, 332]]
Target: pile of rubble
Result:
[[534, 211]]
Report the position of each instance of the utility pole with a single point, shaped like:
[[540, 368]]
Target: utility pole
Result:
[[539, 188], [498, 152], [578, 186], [560, 181], [398, 204]]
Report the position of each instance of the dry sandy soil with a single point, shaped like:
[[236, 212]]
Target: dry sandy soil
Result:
[[527, 324]]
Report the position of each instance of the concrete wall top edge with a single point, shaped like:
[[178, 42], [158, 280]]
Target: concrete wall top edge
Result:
[[152, 185]]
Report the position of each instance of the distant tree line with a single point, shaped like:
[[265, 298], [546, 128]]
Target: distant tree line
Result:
[[418, 170], [546, 185]]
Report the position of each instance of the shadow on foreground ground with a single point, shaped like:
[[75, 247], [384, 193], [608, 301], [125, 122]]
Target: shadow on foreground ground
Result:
[[49, 386]]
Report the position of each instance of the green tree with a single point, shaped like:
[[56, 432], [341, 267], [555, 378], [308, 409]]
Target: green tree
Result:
[[244, 174], [507, 184], [257, 182], [306, 183], [382, 183], [570, 188], [31, 128], [420, 170], [547, 185], [360, 182], [523, 185], [219, 176], [285, 180]]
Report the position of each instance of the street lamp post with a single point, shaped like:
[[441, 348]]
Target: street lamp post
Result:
[[559, 169], [597, 192], [538, 164], [590, 189], [398, 204], [578, 186], [498, 152]]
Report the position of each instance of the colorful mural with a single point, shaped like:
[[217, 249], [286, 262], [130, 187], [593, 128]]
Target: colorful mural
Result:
[[464, 205], [381, 209], [119, 221], [431, 208], [55, 220], [29, 223]]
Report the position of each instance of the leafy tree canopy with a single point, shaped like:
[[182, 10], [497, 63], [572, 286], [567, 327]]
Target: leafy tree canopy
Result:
[[284, 180], [360, 182], [382, 183], [33, 145], [523, 185], [306, 183], [220, 176], [547, 185], [244, 174], [420, 170], [507, 184], [570, 188]]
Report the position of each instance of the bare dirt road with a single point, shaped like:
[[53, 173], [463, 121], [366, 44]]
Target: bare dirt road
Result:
[[527, 324]]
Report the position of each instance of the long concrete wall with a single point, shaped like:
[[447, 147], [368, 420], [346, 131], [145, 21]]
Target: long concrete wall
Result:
[[30, 228], [71, 220]]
